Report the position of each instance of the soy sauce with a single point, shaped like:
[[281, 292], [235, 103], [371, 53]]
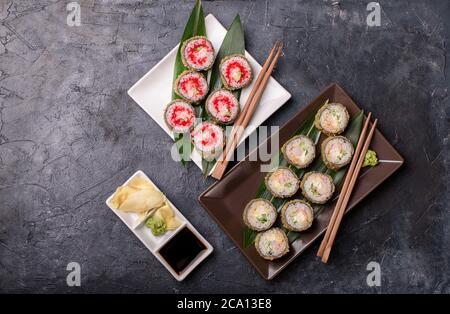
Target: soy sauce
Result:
[[182, 249]]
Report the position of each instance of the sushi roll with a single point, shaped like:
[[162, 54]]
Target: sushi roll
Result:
[[297, 215], [299, 151], [337, 152], [283, 182], [222, 106], [235, 72], [197, 53], [272, 244], [208, 139], [259, 214], [191, 86], [317, 187], [332, 119], [179, 116]]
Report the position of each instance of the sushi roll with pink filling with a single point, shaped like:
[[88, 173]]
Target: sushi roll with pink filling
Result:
[[235, 72], [332, 119], [222, 106], [282, 182], [191, 86], [317, 187], [259, 214], [337, 152], [299, 151], [272, 244], [179, 116], [297, 215], [208, 139], [197, 53]]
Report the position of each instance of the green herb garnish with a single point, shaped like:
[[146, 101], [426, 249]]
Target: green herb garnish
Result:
[[263, 218], [156, 225], [314, 189], [304, 147], [370, 159]]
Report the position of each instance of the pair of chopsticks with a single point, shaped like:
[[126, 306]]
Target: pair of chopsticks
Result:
[[349, 183], [248, 110]]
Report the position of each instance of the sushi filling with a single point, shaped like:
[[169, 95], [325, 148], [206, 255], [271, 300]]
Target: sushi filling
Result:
[[180, 116], [283, 182], [223, 106], [198, 53], [260, 214], [334, 118], [236, 72], [338, 150], [273, 243], [318, 187], [298, 215], [300, 151], [208, 139], [192, 86]]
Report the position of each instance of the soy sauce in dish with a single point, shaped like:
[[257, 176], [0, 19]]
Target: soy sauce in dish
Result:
[[182, 249]]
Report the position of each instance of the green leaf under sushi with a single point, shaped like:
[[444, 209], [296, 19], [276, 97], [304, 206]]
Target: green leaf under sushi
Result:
[[249, 237], [195, 26], [308, 128], [233, 43], [183, 141]]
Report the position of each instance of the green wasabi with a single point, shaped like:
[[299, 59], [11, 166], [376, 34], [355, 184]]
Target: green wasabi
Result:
[[370, 160], [156, 225]]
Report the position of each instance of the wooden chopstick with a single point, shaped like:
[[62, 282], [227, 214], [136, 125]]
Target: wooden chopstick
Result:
[[249, 100], [252, 106], [254, 89], [345, 185], [249, 109], [326, 253], [252, 94], [257, 97], [240, 128]]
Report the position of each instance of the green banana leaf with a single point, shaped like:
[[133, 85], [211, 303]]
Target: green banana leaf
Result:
[[307, 128], [195, 26], [233, 43]]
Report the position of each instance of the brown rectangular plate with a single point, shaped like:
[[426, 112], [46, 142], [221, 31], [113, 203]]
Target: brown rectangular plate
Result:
[[225, 200]]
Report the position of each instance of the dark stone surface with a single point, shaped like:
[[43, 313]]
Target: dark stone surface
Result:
[[69, 134]]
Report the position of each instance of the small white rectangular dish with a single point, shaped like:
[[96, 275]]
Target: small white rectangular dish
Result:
[[154, 90], [155, 243]]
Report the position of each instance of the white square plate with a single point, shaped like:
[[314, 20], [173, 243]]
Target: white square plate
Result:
[[153, 91]]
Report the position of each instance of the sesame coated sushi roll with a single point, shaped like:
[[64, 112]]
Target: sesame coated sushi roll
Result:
[[208, 139], [337, 152], [179, 116], [332, 119], [299, 151], [235, 72], [283, 182], [317, 187], [259, 214], [222, 106], [197, 53], [272, 244], [297, 215], [191, 86]]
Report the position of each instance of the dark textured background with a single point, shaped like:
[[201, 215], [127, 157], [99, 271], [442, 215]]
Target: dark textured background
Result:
[[69, 134]]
